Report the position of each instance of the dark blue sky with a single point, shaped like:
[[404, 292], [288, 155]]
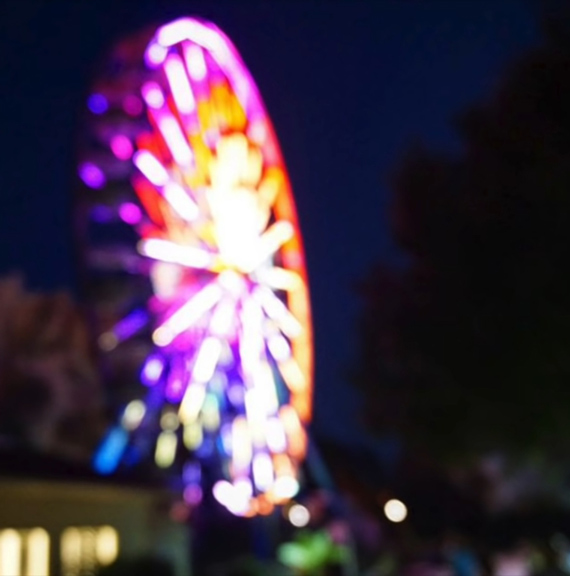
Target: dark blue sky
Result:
[[348, 84]]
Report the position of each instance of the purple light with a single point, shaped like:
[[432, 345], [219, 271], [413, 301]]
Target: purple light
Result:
[[174, 389], [133, 105], [193, 494], [102, 214], [236, 394], [131, 324], [92, 175], [192, 473], [130, 213], [122, 147], [98, 104]]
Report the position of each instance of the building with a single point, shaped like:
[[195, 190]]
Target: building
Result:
[[59, 518]]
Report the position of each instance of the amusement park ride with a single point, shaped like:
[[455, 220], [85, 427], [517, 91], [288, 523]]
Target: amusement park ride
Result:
[[195, 267]]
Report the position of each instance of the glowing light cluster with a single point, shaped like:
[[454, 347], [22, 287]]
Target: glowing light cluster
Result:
[[232, 364]]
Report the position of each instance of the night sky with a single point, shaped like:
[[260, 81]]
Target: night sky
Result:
[[349, 86]]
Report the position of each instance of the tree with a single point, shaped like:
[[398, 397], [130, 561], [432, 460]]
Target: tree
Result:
[[50, 392], [466, 348]]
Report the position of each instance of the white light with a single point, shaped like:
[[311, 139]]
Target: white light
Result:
[[276, 310], [273, 238], [195, 62], [188, 29], [286, 487], [223, 491], [280, 278], [183, 205], [395, 510], [262, 471], [106, 545], [222, 318], [192, 404], [299, 516], [175, 32], [275, 436], [179, 84], [37, 553], [167, 251], [150, 166], [279, 347], [10, 553], [152, 95], [234, 498], [133, 415], [174, 138], [155, 54], [241, 443], [206, 360]]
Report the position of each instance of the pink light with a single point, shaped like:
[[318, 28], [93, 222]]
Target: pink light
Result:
[[133, 105], [122, 147], [195, 62], [175, 140], [167, 251], [262, 471], [179, 84], [155, 55], [130, 213], [153, 95], [150, 167], [183, 205]]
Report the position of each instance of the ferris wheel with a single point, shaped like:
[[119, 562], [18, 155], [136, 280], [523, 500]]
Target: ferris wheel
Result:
[[186, 201]]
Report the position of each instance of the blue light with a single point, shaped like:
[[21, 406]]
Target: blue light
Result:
[[111, 450], [98, 104]]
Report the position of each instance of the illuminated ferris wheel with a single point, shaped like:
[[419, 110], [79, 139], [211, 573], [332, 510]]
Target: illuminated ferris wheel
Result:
[[186, 198]]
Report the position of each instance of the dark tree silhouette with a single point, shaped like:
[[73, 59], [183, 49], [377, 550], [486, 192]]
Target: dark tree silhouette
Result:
[[466, 348]]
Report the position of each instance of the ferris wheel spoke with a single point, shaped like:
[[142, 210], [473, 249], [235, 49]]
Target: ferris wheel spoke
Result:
[[173, 253], [279, 278], [278, 312], [189, 313], [272, 239]]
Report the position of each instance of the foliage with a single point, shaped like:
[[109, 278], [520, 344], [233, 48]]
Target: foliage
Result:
[[465, 350], [312, 552], [50, 393]]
